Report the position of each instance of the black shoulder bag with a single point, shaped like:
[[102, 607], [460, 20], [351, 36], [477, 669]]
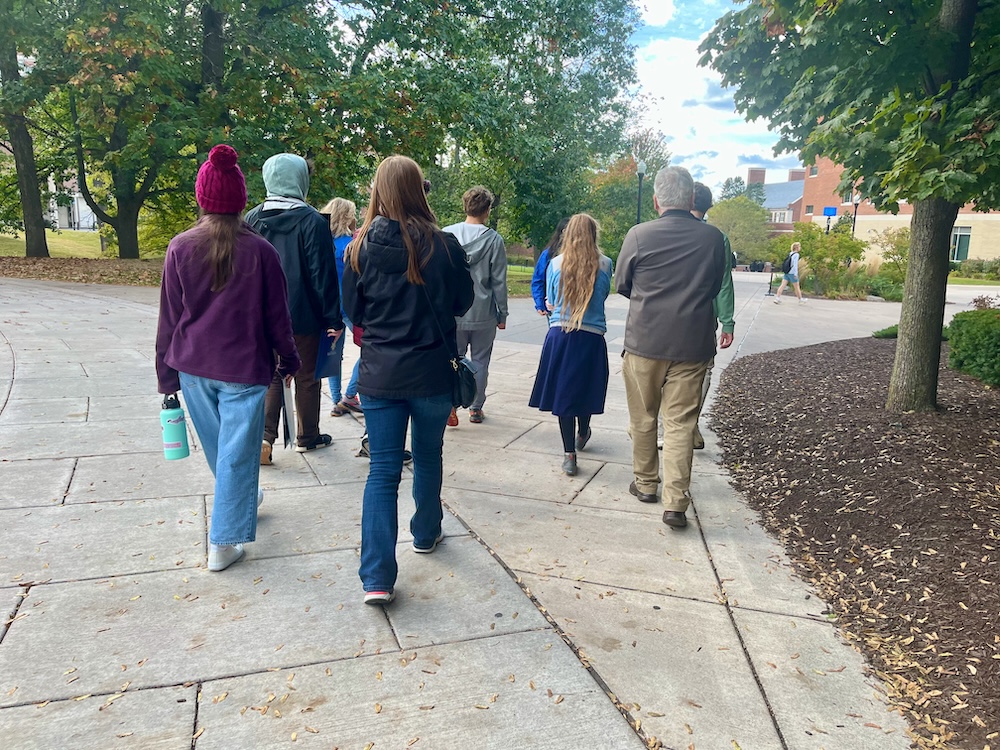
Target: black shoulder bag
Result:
[[463, 386]]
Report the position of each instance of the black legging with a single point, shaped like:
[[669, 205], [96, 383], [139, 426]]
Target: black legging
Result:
[[567, 427]]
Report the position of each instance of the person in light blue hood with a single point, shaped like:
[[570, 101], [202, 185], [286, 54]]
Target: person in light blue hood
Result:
[[302, 238], [477, 329]]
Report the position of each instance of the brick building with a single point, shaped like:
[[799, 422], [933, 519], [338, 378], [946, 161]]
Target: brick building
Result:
[[975, 234]]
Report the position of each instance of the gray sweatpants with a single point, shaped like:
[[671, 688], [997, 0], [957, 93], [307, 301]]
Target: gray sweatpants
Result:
[[479, 344]]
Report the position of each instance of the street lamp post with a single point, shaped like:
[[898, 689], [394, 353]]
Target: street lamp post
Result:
[[641, 169], [854, 222]]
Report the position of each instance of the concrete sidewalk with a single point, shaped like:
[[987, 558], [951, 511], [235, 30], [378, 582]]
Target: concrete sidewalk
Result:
[[553, 605]]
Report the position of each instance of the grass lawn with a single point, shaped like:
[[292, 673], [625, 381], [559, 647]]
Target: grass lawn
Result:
[[519, 281], [65, 243], [972, 282]]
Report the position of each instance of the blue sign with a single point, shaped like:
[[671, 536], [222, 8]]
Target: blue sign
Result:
[[829, 210]]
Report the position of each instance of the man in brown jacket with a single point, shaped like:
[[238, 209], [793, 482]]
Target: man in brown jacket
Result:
[[670, 269]]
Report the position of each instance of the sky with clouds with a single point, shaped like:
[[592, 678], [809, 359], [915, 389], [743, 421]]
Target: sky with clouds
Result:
[[688, 104]]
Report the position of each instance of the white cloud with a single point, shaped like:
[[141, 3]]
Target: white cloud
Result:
[[657, 12], [688, 104]]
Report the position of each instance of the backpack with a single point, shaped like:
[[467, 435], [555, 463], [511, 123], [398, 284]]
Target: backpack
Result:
[[786, 266]]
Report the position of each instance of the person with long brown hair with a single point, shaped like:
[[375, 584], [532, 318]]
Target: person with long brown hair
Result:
[[223, 316], [404, 283], [572, 380]]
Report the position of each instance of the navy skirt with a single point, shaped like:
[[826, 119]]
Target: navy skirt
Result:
[[572, 378]]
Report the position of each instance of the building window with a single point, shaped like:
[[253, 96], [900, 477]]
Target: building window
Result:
[[781, 217], [960, 238], [813, 171], [847, 199], [809, 208]]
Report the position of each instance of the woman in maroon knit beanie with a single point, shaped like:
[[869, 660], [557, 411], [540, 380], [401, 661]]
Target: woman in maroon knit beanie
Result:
[[223, 320]]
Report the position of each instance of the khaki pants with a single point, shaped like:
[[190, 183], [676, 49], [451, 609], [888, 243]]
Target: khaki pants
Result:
[[672, 390]]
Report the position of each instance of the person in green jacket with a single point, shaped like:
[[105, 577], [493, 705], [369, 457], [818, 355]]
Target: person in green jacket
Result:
[[724, 303]]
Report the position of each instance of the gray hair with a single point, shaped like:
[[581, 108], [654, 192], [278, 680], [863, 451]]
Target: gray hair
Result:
[[674, 188]]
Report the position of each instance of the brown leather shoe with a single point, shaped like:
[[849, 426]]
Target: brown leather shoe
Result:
[[644, 497], [699, 441], [675, 519]]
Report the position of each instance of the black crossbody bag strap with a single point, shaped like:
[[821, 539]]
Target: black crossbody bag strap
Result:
[[453, 350]]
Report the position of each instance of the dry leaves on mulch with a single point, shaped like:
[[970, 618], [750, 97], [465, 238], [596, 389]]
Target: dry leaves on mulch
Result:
[[85, 270], [896, 518]]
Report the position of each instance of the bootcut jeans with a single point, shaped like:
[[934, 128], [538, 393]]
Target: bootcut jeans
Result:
[[229, 420], [386, 420]]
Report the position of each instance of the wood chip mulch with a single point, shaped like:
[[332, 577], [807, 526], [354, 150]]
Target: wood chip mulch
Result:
[[85, 270], [895, 518]]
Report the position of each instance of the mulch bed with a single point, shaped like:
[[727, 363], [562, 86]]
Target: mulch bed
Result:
[[85, 270], [895, 518]]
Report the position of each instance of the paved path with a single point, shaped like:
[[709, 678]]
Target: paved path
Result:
[[117, 636]]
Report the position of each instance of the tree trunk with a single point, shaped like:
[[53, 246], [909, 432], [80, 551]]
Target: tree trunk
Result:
[[24, 160], [127, 229], [918, 350], [213, 54]]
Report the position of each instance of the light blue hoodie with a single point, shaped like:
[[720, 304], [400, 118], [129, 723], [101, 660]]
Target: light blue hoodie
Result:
[[594, 319]]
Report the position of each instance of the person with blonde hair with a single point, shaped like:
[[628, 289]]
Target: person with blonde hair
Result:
[[791, 276], [405, 281], [572, 380], [343, 224]]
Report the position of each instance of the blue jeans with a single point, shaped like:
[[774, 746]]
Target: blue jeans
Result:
[[334, 381], [229, 420], [386, 419]]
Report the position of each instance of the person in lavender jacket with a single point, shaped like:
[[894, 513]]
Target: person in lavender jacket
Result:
[[223, 316]]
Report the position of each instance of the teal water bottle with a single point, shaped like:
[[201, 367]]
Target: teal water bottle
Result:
[[175, 437]]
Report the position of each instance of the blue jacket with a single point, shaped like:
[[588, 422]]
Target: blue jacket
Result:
[[339, 246], [538, 280], [594, 320]]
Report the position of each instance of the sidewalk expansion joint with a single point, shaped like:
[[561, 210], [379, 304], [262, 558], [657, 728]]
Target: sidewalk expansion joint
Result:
[[69, 482], [9, 622], [13, 371], [586, 484], [715, 601], [625, 711], [194, 724], [739, 636]]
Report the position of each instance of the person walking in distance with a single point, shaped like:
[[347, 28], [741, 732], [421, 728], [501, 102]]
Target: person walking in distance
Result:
[[343, 224], [404, 282], [477, 329], [305, 246], [538, 277], [724, 303], [671, 269], [223, 318], [790, 270], [572, 379]]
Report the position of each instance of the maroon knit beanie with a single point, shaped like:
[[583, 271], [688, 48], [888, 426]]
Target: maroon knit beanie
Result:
[[220, 187]]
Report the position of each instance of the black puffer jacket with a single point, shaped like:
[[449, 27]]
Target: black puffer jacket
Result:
[[304, 243], [402, 354]]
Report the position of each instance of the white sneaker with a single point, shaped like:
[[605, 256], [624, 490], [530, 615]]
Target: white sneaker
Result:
[[260, 498], [221, 556], [802, 301], [777, 301]]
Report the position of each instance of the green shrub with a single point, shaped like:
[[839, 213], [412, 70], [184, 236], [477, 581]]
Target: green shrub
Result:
[[975, 344], [887, 333], [885, 287], [892, 332]]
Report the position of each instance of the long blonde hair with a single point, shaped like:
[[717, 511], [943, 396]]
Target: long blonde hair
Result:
[[343, 216], [398, 194], [581, 259]]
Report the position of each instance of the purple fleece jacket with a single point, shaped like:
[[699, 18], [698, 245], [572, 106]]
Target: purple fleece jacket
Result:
[[230, 335]]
